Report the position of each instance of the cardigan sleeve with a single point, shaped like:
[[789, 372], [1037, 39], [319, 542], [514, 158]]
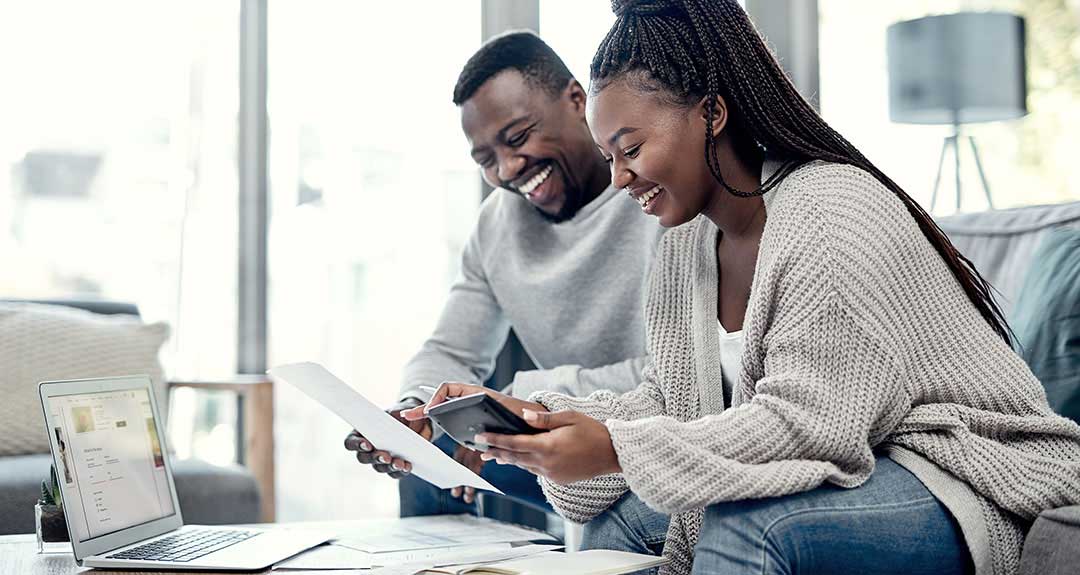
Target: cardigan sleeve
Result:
[[643, 401], [581, 501], [814, 417]]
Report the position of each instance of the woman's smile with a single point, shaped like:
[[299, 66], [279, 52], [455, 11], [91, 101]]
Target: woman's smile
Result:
[[648, 198]]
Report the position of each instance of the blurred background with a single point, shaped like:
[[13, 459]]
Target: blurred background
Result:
[[120, 176]]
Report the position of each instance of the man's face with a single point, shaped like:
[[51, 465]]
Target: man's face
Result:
[[530, 142]]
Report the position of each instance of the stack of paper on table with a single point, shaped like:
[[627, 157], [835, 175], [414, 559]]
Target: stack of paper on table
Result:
[[336, 557], [437, 531], [420, 543]]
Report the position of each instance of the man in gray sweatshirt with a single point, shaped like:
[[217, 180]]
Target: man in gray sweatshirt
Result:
[[557, 254]]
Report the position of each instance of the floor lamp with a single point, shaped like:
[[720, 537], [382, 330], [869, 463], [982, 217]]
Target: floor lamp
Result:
[[957, 69]]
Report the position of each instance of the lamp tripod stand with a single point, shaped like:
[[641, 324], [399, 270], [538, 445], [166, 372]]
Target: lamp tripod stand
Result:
[[953, 142]]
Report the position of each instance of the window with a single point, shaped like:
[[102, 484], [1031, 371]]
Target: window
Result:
[[574, 30], [1027, 161], [373, 195], [118, 164]]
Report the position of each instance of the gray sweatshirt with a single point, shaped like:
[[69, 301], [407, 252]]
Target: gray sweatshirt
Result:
[[572, 291]]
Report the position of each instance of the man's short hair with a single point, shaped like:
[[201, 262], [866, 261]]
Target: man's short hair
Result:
[[519, 50]]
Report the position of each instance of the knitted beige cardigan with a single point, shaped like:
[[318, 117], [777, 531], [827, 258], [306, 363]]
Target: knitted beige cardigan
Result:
[[857, 336]]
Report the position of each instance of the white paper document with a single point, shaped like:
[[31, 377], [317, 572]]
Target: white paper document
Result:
[[429, 462], [333, 557], [328, 557], [436, 532]]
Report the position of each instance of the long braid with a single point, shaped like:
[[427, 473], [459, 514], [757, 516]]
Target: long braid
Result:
[[709, 49]]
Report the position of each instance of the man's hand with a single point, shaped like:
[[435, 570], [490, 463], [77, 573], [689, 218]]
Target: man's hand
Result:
[[383, 461], [471, 459], [465, 456]]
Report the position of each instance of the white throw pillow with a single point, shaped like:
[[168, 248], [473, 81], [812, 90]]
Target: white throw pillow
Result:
[[49, 342]]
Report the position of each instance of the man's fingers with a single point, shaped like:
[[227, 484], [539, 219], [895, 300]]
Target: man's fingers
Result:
[[470, 494], [455, 492], [365, 457], [356, 442], [383, 457]]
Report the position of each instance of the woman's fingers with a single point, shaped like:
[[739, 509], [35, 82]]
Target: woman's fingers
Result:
[[518, 443], [548, 420], [448, 390], [505, 457], [414, 414]]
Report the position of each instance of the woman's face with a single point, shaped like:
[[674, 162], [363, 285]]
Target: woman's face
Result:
[[655, 150]]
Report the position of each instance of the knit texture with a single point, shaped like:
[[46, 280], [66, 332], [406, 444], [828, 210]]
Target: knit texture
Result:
[[857, 336]]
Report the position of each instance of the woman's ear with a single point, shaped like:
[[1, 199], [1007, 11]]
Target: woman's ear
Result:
[[719, 117]]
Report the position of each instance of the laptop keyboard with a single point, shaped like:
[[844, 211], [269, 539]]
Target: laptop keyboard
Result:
[[186, 546]]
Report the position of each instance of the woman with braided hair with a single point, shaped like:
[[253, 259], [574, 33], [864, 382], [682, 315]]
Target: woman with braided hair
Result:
[[832, 388]]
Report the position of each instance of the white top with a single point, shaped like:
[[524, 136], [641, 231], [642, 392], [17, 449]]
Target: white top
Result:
[[731, 345]]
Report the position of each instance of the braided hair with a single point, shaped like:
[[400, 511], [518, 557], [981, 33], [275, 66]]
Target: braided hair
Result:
[[694, 50]]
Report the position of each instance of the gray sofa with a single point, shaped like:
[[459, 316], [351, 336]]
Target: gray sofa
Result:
[[1001, 245], [208, 494]]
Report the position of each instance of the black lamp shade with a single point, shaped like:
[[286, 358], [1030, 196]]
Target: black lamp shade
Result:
[[957, 69]]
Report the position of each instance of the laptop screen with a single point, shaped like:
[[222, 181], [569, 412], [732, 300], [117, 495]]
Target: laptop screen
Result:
[[112, 470]]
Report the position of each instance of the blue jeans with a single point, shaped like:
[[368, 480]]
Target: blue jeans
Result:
[[418, 497], [890, 524]]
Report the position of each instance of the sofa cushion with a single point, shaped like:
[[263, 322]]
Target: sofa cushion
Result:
[[1052, 546], [1001, 242], [1046, 319], [45, 342], [209, 494]]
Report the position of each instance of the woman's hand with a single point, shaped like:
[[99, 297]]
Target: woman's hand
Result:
[[577, 447], [450, 390]]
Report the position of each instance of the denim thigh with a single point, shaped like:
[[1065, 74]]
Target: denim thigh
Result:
[[628, 525], [889, 525]]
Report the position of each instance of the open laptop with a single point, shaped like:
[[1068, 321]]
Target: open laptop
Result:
[[116, 481]]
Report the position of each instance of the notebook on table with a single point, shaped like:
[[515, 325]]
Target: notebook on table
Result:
[[591, 562]]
